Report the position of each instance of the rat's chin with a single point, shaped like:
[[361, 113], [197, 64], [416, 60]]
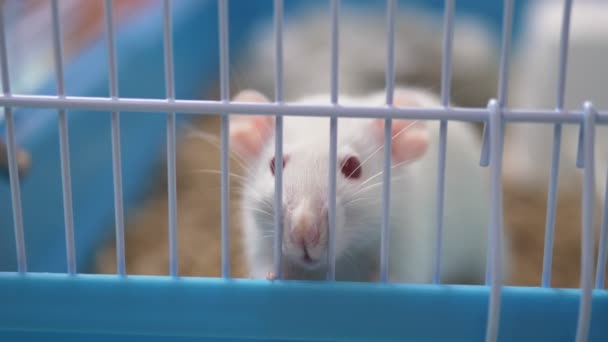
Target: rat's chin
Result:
[[306, 262], [309, 263]]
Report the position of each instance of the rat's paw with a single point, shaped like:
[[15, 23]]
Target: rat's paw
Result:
[[264, 272]]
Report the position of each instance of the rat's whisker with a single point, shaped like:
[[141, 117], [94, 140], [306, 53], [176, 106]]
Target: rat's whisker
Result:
[[367, 222], [258, 210], [214, 141], [218, 172], [382, 147], [236, 75], [351, 259], [382, 172], [354, 200], [267, 202], [367, 188], [242, 180], [368, 202]]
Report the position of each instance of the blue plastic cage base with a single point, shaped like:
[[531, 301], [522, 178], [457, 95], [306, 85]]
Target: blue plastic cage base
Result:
[[210, 308]]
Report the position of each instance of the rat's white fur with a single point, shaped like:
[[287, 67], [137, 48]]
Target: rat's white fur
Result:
[[358, 224], [362, 54]]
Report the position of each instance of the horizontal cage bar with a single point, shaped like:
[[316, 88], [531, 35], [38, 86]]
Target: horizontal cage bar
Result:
[[289, 109]]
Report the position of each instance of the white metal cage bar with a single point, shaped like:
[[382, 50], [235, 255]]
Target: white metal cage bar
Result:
[[388, 134], [496, 130], [391, 9], [507, 27], [503, 73], [505, 56], [333, 139], [493, 157], [602, 257], [12, 155], [588, 206], [116, 146], [225, 135], [278, 173], [64, 144], [446, 74], [579, 151], [563, 54], [292, 109], [171, 163], [557, 139]]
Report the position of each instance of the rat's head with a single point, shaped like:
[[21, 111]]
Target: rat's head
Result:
[[305, 199]]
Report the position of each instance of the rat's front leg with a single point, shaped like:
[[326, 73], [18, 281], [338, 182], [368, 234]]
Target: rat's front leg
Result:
[[263, 272], [266, 270]]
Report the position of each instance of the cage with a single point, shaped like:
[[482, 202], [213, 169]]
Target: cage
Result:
[[120, 98]]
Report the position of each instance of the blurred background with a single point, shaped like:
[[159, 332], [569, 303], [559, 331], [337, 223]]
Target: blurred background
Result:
[[532, 83]]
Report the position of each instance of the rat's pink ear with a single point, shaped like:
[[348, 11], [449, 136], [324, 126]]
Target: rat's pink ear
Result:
[[250, 95], [410, 137], [249, 133]]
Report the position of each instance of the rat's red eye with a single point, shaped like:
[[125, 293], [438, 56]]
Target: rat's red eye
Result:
[[272, 164], [351, 168]]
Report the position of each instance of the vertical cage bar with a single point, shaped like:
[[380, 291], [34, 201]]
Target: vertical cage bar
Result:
[[588, 203], [223, 31], [168, 50], [446, 74], [602, 258], [278, 36], [13, 10], [557, 142], [57, 48], [563, 54], [503, 74], [278, 93], [333, 140], [503, 78], [579, 149], [278, 196], [551, 207], [388, 129], [496, 219], [12, 155], [446, 63], [6, 81], [484, 160], [335, 43], [116, 147], [225, 129], [391, 8], [113, 73], [171, 164], [386, 196], [64, 145]]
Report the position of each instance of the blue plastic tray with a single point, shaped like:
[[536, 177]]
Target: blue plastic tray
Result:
[[166, 309]]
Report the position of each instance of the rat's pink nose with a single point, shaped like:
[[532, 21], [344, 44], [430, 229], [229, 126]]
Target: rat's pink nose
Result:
[[304, 234]]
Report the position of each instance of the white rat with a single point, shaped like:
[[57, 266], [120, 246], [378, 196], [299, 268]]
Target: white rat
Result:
[[359, 194]]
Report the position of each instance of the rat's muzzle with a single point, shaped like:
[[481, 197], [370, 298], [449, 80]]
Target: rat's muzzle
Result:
[[306, 234]]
